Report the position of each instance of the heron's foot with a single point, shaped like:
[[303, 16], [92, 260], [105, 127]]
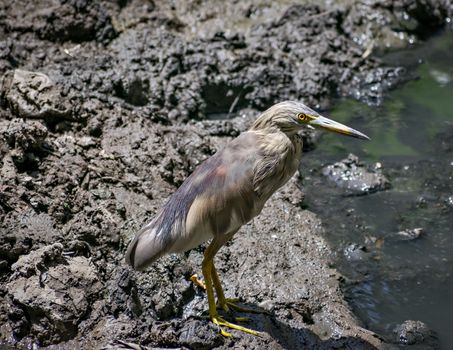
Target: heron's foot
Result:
[[219, 321], [242, 319], [195, 280], [232, 304]]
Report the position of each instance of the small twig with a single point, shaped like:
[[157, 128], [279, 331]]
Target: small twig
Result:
[[368, 50], [235, 102]]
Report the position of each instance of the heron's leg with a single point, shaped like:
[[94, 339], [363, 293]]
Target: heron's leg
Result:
[[208, 267], [223, 302], [217, 285], [218, 289], [227, 303]]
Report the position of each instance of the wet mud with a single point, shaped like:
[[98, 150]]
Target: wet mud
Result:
[[106, 107]]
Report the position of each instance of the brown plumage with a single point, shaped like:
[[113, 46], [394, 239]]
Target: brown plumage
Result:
[[227, 190]]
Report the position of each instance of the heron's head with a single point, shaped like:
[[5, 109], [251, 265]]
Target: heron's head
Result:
[[291, 116]]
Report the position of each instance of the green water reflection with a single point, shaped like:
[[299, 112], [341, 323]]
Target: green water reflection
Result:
[[410, 118], [412, 136]]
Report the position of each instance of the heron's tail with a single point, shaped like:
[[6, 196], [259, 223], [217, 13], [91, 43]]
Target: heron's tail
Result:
[[148, 245]]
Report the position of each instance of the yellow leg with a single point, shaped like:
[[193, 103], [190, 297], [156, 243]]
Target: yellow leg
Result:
[[227, 303], [224, 303], [208, 272], [218, 289]]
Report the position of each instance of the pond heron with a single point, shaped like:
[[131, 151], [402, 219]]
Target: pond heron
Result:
[[226, 191]]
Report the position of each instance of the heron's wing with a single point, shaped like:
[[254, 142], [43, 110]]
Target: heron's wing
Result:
[[216, 198], [224, 188]]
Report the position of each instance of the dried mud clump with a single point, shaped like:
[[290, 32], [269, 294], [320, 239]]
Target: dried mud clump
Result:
[[106, 107], [355, 177]]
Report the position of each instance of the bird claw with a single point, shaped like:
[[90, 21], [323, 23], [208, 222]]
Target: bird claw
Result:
[[232, 300], [232, 304], [195, 280], [221, 322], [226, 304], [225, 334]]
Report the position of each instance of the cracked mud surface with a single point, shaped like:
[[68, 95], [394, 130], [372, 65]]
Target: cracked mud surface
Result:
[[106, 107]]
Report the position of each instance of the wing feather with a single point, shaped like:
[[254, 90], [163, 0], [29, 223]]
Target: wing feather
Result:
[[217, 197]]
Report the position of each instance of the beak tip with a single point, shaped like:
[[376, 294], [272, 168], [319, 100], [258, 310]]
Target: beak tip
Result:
[[359, 135]]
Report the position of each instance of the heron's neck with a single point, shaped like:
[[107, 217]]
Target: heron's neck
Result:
[[273, 141]]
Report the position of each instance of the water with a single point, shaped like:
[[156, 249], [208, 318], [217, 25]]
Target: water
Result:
[[412, 137]]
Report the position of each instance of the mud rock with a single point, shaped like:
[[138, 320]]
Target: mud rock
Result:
[[371, 87], [53, 292], [393, 24], [22, 231], [356, 252], [23, 134], [24, 140], [197, 334], [61, 21], [27, 265], [416, 332], [429, 14], [34, 95], [292, 192], [356, 178]]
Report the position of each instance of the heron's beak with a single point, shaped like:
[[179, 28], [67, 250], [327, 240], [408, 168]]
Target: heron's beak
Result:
[[329, 124]]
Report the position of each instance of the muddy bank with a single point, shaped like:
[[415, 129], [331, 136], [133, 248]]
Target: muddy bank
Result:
[[107, 107]]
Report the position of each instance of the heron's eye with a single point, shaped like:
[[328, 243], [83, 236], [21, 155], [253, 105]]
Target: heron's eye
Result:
[[305, 117]]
